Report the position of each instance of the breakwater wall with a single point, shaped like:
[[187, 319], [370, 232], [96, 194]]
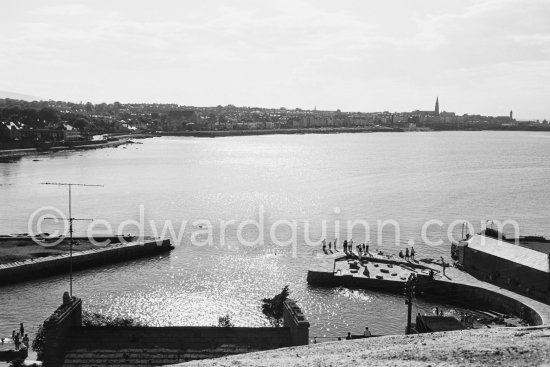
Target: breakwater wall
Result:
[[437, 291], [51, 265]]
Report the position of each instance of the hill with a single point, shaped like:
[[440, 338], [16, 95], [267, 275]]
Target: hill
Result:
[[19, 96]]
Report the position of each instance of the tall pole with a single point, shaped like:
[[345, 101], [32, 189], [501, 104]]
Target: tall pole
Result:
[[409, 292], [70, 244], [70, 219]]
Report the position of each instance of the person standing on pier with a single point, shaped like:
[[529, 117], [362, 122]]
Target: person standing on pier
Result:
[[26, 341], [407, 254], [21, 329], [335, 242], [16, 341], [412, 253], [345, 246], [443, 264], [330, 246]]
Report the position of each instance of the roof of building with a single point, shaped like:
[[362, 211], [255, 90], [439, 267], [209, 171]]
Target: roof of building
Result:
[[439, 323], [511, 252], [12, 125]]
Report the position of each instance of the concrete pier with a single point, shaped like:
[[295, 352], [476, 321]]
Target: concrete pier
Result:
[[455, 287], [51, 265]]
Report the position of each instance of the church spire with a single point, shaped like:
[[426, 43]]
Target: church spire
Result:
[[437, 106]]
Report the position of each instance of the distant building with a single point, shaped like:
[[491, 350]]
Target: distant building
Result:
[[10, 130], [181, 120], [71, 134], [43, 135], [428, 116]]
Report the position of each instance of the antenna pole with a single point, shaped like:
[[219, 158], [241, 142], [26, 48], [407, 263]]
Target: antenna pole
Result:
[[70, 219], [70, 245]]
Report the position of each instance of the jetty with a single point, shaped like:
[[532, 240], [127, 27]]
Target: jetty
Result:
[[386, 273], [57, 264]]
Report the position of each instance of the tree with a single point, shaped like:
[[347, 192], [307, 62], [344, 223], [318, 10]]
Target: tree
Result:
[[225, 321], [81, 123], [48, 114], [89, 107], [273, 308]]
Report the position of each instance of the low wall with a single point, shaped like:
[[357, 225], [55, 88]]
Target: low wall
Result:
[[479, 298], [52, 265], [64, 336], [182, 338], [441, 291]]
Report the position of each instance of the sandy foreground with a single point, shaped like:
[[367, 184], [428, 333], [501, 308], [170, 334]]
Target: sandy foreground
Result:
[[527, 346]]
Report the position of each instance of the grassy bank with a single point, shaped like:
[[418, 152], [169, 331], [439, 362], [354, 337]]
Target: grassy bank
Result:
[[487, 347]]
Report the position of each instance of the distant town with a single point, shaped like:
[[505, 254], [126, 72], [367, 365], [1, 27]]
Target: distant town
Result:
[[24, 122]]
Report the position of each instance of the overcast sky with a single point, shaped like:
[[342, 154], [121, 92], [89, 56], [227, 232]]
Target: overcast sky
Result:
[[478, 56]]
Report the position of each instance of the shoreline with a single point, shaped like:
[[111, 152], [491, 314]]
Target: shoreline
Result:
[[223, 133], [340, 130], [123, 139], [16, 153]]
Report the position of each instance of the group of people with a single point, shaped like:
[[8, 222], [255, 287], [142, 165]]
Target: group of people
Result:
[[348, 246], [366, 334], [408, 255], [20, 338]]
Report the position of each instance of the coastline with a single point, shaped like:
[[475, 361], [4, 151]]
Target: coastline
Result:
[[342, 130], [223, 133], [16, 153]]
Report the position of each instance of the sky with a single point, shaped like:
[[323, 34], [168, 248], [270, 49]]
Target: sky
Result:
[[480, 57]]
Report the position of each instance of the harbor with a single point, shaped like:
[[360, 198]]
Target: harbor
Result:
[[384, 272], [192, 285]]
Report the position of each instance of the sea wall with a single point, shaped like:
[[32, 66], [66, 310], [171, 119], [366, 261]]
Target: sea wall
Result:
[[480, 298], [436, 290], [51, 265]]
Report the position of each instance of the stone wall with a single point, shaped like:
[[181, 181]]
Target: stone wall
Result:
[[294, 319], [58, 329], [438, 291], [179, 337], [66, 337]]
